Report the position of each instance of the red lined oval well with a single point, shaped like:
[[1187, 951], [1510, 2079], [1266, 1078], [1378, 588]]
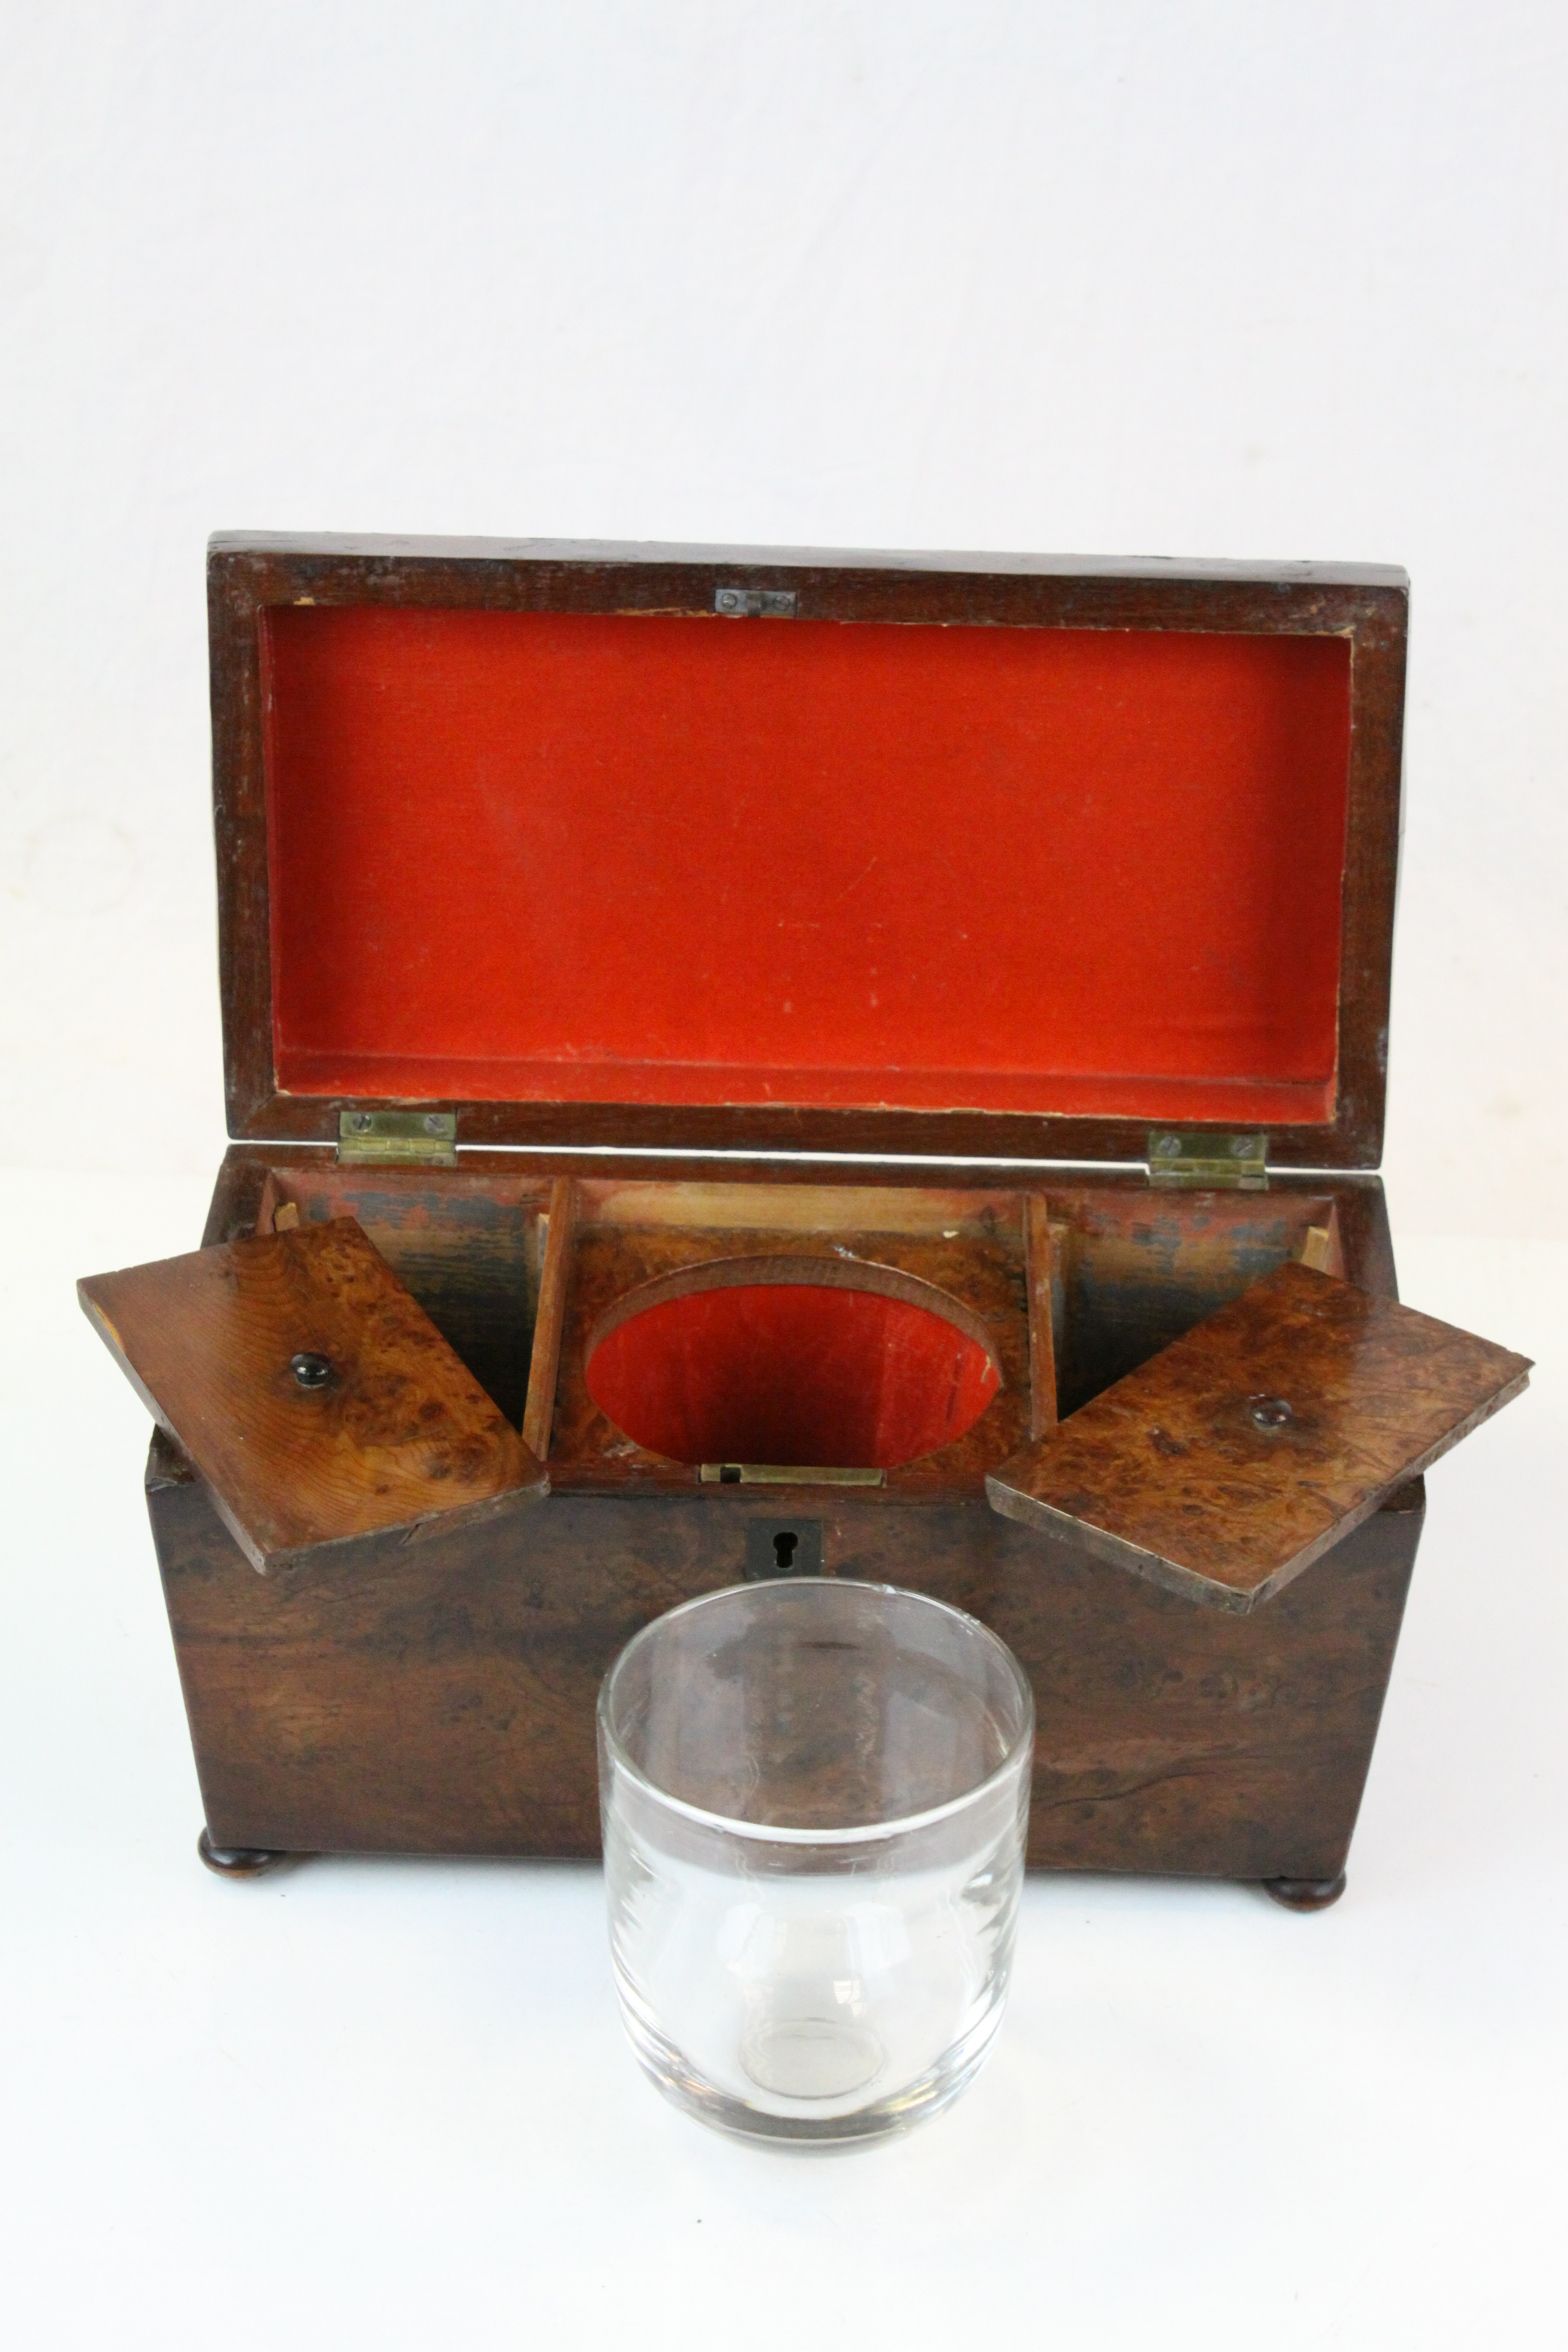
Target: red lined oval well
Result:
[[791, 1372]]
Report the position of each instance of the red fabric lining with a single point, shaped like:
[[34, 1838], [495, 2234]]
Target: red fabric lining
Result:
[[791, 1373], [547, 857]]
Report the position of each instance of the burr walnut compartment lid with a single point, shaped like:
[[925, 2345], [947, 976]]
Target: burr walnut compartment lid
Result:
[[313, 1394], [962, 855], [1232, 1460]]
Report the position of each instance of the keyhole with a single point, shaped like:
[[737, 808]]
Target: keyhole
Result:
[[783, 1551]]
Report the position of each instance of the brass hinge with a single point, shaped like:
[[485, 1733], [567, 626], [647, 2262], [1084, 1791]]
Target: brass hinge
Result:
[[411, 1139], [1201, 1158], [755, 604]]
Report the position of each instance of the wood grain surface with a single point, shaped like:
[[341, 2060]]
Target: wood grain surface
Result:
[[1231, 1461], [439, 1697], [1040, 1275], [396, 1434], [554, 1276]]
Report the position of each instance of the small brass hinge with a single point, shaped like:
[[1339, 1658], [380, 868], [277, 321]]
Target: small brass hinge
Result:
[[1209, 1159], [755, 604], [412, 1139]]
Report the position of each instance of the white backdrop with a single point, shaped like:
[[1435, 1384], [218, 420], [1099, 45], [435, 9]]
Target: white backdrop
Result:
[[1196, 277], [1189, 279]]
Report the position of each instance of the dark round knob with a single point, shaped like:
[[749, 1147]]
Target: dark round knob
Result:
[[309, 1369], [1269, 1412]]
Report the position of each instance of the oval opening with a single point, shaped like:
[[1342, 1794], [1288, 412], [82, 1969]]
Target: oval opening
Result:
[[793, 1368]]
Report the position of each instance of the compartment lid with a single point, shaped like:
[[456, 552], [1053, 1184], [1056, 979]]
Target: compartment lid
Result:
[[1226, 1464], [316, 1398], [964, 855]]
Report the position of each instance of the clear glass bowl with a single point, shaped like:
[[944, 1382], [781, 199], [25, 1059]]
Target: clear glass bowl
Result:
[[814, 1797]]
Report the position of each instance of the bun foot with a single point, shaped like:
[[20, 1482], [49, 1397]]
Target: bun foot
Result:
[[237, 1861], [1305, 1894]]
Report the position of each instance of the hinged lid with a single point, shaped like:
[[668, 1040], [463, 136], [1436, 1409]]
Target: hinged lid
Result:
[[962, 855], [313, 1394], [1233, 1459]]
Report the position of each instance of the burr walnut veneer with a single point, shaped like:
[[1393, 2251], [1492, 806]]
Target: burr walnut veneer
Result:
[[1058, 892]]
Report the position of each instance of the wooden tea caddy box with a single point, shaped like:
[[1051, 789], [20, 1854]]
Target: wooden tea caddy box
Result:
[[1063, 888]]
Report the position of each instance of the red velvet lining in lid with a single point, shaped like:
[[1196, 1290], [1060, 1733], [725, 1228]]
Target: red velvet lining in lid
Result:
[[551, 857]]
